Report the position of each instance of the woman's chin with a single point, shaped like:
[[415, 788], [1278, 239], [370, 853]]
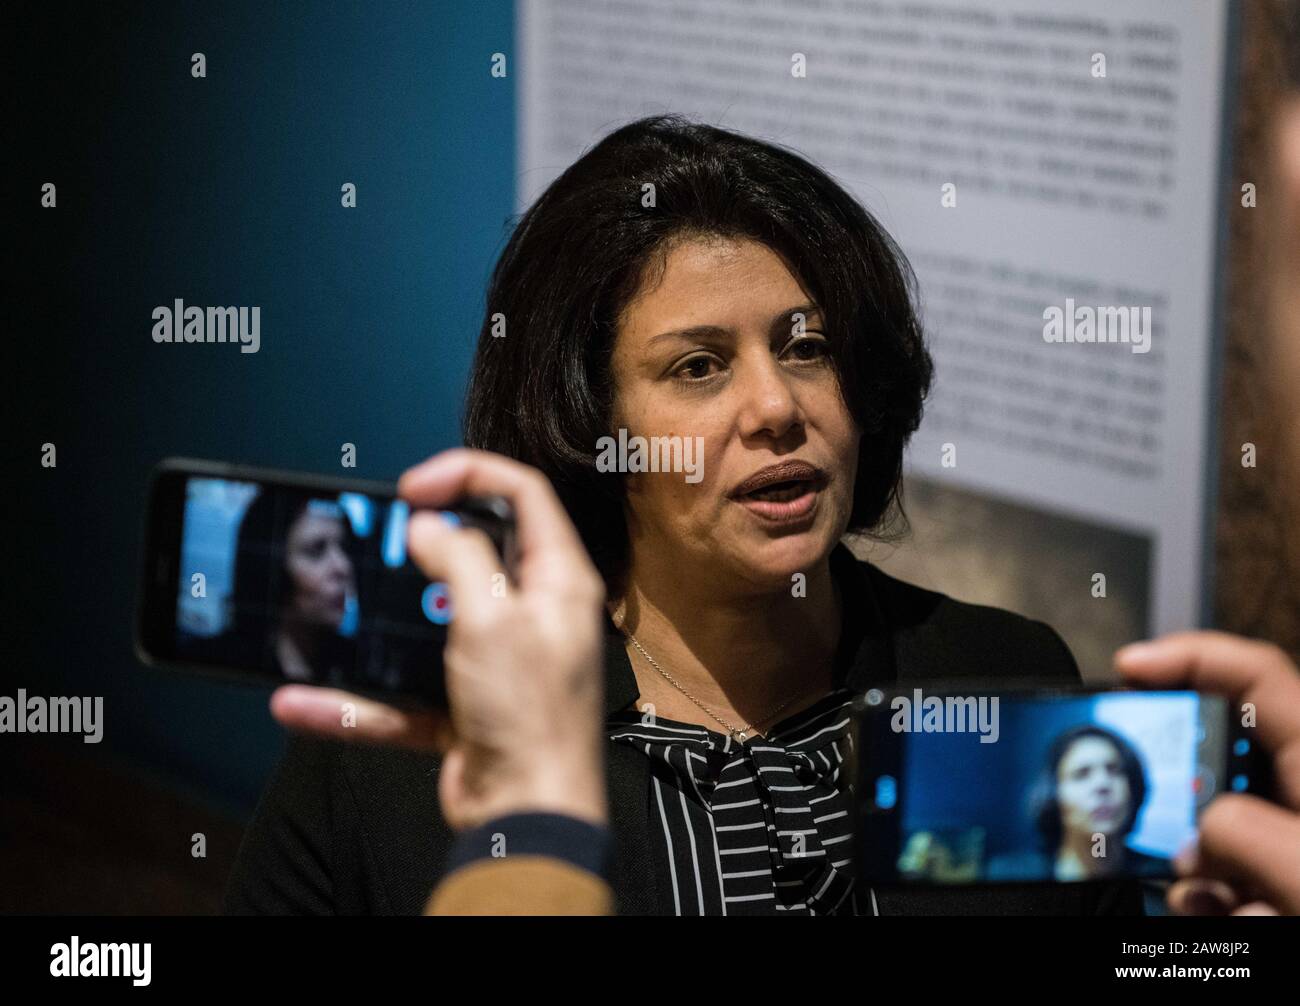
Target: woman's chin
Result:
[[776, 560]]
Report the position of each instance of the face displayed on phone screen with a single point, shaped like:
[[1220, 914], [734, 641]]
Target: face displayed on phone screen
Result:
[[1044, 788], [312, 587]]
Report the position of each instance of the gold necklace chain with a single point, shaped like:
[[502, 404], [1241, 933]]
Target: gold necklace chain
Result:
[[738, 733]]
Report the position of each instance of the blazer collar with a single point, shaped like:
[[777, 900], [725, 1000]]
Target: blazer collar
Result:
[[620, 683], [865, 654]]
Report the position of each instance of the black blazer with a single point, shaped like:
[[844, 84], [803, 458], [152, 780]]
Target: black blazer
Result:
[[353, 829]]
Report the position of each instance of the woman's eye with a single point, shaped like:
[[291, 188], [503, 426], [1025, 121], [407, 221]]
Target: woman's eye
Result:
[[695, 369], [808, 349]]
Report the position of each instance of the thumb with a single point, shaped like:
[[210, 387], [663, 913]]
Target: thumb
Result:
[[1250, 842], [451, 787]]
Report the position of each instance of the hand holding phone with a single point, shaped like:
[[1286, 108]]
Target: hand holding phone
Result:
[[522, 659], [1247, 858]]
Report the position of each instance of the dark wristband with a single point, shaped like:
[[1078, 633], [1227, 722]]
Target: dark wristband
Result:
[[581, 843]]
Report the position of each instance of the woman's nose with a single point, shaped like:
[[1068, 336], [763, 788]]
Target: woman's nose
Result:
[[769, 403], [339, 563]]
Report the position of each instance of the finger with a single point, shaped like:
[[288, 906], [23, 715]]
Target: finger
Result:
[[1245, 670], [451, 787], [1286, 776], [462, 558], [545, 534], [330, 712], [1185, 860], [1253, 845], [1201, 896], [1256, 908]]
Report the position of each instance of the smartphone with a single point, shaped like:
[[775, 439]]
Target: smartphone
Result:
[[1016, 785], [270, 577]]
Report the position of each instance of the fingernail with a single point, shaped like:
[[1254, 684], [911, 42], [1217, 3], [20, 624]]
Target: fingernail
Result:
[[291, 696], [1137, 653], [1256, 908], [426, 522]]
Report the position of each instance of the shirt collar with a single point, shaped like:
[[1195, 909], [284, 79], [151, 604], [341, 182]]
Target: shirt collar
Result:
[[865, 651]]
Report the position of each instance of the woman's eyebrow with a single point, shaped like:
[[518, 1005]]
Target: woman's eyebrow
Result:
[[804, 309], [779, 321], [694, 332]]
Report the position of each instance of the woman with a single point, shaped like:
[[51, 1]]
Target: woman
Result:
[[1097, 788], [301, 552], [722, 296], [1084, 806]]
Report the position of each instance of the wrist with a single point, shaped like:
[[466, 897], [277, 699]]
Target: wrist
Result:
[[573, 786], [582, 806]]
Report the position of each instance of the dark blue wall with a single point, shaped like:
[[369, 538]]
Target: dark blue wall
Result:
[[226, 190]]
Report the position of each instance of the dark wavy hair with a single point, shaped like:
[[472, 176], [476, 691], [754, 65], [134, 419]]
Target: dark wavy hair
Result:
[[1045, 810], [544, 395]]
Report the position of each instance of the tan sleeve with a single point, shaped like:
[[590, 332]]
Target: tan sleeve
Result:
[[521, 885]]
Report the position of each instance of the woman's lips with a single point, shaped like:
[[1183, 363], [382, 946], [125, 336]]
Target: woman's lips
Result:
[[792, 470], [792, 511]]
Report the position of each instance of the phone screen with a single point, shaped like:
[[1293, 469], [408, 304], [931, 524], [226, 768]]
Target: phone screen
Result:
[[1038, 787], [293, 582]]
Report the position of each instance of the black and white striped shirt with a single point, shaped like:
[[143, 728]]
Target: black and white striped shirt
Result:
[[759, 828]]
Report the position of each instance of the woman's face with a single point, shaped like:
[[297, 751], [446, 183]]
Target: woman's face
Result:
[[319, 570], [1091, 788], [756, 391]]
